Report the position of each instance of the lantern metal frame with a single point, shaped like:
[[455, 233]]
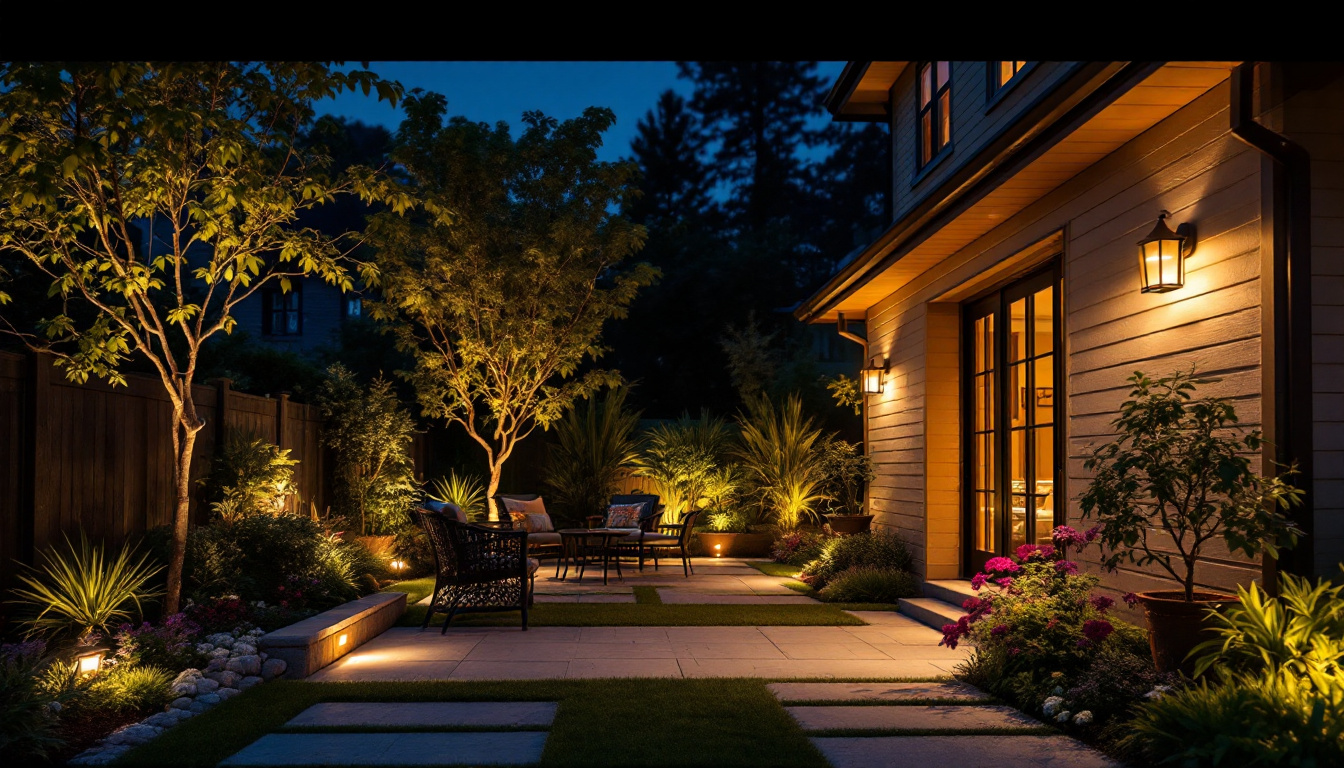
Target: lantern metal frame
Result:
[[1184, 244], [873, 377]]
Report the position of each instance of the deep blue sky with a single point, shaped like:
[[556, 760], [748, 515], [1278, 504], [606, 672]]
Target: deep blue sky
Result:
[[489, 91]]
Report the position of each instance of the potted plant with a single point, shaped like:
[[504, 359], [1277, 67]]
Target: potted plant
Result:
[[846, 471], [1177, 477]]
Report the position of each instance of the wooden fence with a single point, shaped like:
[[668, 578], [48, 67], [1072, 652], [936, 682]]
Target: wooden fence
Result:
[[98, 458]]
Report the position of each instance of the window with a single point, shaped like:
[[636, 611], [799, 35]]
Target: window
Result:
[[282, 312], [1001, 73], [935, 109], [354, 307]]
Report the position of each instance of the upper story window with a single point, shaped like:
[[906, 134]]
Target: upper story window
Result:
[[354, 307], [282, 311], [935, 109], [1002, 72]]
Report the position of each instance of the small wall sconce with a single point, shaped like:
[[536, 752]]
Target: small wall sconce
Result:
[[1162, 256], [874, 376]]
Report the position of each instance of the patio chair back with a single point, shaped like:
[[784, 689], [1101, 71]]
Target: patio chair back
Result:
[[687, 523], [648, 519], [436, 528], [505, 519]]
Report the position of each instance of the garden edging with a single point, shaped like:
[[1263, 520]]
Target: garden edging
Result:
[[313, 643]]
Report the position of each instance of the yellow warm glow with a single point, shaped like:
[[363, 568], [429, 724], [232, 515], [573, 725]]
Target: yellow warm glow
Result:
[[342, 640], [90, 662], [874, 376]]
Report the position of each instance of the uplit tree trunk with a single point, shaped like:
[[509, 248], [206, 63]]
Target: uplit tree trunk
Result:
[[186, 424]]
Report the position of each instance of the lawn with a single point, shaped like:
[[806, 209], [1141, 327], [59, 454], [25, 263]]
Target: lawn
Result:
[[666, 722]]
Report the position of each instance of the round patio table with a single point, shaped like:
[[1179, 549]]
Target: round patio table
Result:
[[580, 544]]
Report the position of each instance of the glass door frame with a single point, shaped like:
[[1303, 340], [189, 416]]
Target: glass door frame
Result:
[[997, 303]]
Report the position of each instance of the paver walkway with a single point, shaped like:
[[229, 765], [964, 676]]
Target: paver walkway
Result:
[[901, 707]]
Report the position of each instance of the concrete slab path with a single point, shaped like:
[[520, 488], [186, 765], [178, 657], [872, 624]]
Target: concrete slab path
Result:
[[914, 717], [961, 751], [898, 692]]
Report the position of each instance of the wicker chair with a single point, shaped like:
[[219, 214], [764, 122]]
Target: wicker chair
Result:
[[539, 545], [477, 568], [677, 537]]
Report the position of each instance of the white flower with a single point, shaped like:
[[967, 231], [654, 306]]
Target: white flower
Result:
[[1083, 718], [1063, 717], [1052, 705]]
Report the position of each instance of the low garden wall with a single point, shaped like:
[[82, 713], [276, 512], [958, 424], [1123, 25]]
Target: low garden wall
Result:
[[313, 643]]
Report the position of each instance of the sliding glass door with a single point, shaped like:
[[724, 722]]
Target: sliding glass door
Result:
[[1011, 411]]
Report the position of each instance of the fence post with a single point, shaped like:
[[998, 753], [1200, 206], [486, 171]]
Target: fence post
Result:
[[281, 415], [222, 391]]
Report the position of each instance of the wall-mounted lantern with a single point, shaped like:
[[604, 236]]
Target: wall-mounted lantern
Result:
[[1162, 256], [874, 376]]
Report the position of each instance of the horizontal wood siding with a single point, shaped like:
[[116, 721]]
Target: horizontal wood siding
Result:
[[942, 437], [1190, 165]]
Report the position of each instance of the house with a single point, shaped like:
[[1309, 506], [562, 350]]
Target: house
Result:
[[302, 319], [1007, 304]]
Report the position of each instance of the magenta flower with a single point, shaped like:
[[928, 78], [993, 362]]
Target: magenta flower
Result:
[[1005, 582], [978, 581], [1066, 567], [1065, 535], [999, 631], [1102, 603], [971, 604], [1091, 534], [1096, 630], [1001, 565], [1035, 552], [951, 632], [1130, 599]]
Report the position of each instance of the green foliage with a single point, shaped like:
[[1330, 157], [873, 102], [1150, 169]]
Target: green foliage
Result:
[[780, 451], [847, 471], [870, 584], [846, 393], [466, 491], [81, 591], [879, 549], [502, 298], [28, 708], [137, 687], [728, 521], [798, 547], [371, 435], [250, 476], [752, 365], [1181, 465], [413, 547], [684, 460], [594, 445]]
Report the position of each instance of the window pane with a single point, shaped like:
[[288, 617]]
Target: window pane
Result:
[[926, 82], [1017, 464], [978, 358], [1043, 320], [1044, 394], [945, 119], [1017, 336], [981, 382], [943, 73], [989, 342], [1018, 394], [926, 138], [1005, 71], [1045, 483]]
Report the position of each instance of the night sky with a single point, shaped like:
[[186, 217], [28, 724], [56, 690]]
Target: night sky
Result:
[[502, 90]]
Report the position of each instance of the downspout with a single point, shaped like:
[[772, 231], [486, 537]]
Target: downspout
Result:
[[1291, 433], [842, 328]]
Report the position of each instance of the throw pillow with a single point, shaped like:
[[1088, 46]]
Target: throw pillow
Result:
[[529, 515], [624, 515]]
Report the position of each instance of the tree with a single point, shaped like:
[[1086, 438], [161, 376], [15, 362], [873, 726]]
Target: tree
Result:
[[158, 197], [502, 302], [676, 183]]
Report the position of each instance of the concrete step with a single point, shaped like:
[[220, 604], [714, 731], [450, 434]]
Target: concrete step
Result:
[[931, 612], [953, 591]]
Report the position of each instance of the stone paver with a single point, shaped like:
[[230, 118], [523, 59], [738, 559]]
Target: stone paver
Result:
[[499, 748], [961, 751], [585, 598], [687, 597], [896, 692], [427, 713], [915, 717]]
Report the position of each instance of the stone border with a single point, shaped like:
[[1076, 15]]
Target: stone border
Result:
[[311, 644]]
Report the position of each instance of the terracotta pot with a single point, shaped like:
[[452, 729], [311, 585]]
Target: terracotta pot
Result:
[[735, 544], [846, 524], [1176, 626]]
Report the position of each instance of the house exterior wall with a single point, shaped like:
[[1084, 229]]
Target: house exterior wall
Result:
[[321, 311], [1190, 165]]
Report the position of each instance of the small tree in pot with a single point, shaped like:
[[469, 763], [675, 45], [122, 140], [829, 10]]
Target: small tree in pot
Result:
[[1176, 477], [847, 471]]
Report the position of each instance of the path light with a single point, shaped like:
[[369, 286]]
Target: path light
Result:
[[398, 565], [1162, 256], [342, 640], [90, 661], [717, 547], [874, 376]]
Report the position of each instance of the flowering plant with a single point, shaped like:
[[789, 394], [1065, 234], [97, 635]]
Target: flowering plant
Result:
[[798, 547], [171, 644]]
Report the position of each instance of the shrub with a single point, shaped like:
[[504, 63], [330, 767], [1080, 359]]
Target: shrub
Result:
[[171, 644], [870, 584], [798, 547], [249, 476], [231, 614], [594, 445], [28, 711], [77, 593], [881, 549], [846, 471], [728, 521], [370, 434], [141, 688], [412, 546], [681, 460], [780, 452], [466, 491]]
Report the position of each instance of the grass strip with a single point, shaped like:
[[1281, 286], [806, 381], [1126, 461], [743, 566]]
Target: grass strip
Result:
[[415, 589], [720, 721], [927, 702], [777, 569], [647, 596], [653, 615], [869, 732], [801, 588]]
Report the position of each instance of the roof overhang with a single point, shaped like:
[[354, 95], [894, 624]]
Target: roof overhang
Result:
[[860, 92], [1096, 108]]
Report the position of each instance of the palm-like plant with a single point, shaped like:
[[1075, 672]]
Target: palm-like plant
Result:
[[595, 443], [780, 450], [466, 491], [76, 593], [681, 458]]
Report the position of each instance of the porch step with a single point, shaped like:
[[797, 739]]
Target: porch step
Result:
[[929, 611], [953, 591]]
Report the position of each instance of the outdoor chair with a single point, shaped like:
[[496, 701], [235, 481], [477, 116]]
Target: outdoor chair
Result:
[[476, 568], [541, 544], [648, 521], [673, 536]]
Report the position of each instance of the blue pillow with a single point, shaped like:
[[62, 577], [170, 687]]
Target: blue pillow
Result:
[[433, 506]]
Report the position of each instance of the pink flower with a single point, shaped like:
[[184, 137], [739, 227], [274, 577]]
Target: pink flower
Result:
[[1005, 582], [1064, 535], [1130, 599], [1066, 567], [951, 632], [999, 631], [1102, 603], [1096, 630], [1091, 534], [1001, 565], [978, 581], [971, 604], [1035, 552]]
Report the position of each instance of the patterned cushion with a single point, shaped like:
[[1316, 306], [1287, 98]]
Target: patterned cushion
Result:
[[624, 515], [529, 516]]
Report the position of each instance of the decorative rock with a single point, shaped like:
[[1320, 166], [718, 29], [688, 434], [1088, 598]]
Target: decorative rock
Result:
[[216, 665], [225, 678], [163, 719], [244, 665], [220, 653], [220, 639], [205, 648], [197, 707], [186, 688], [249, 681], [208, 699], [133, 735], [241, 648], [206, 685], [264, 656], [225, 694], [181, 703], [187, 674], [273, 668], [100, 755]]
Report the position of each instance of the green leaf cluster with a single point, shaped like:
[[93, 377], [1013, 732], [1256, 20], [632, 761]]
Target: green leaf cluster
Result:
[[82, 590]]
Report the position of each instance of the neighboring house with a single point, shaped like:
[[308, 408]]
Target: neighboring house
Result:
[[1007, 300], [302, 319]]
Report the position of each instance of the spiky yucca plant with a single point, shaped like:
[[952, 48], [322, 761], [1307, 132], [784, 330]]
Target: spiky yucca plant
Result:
[[466, 491], [81, 591], [594, 445], [780, 450], [681, 458]]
